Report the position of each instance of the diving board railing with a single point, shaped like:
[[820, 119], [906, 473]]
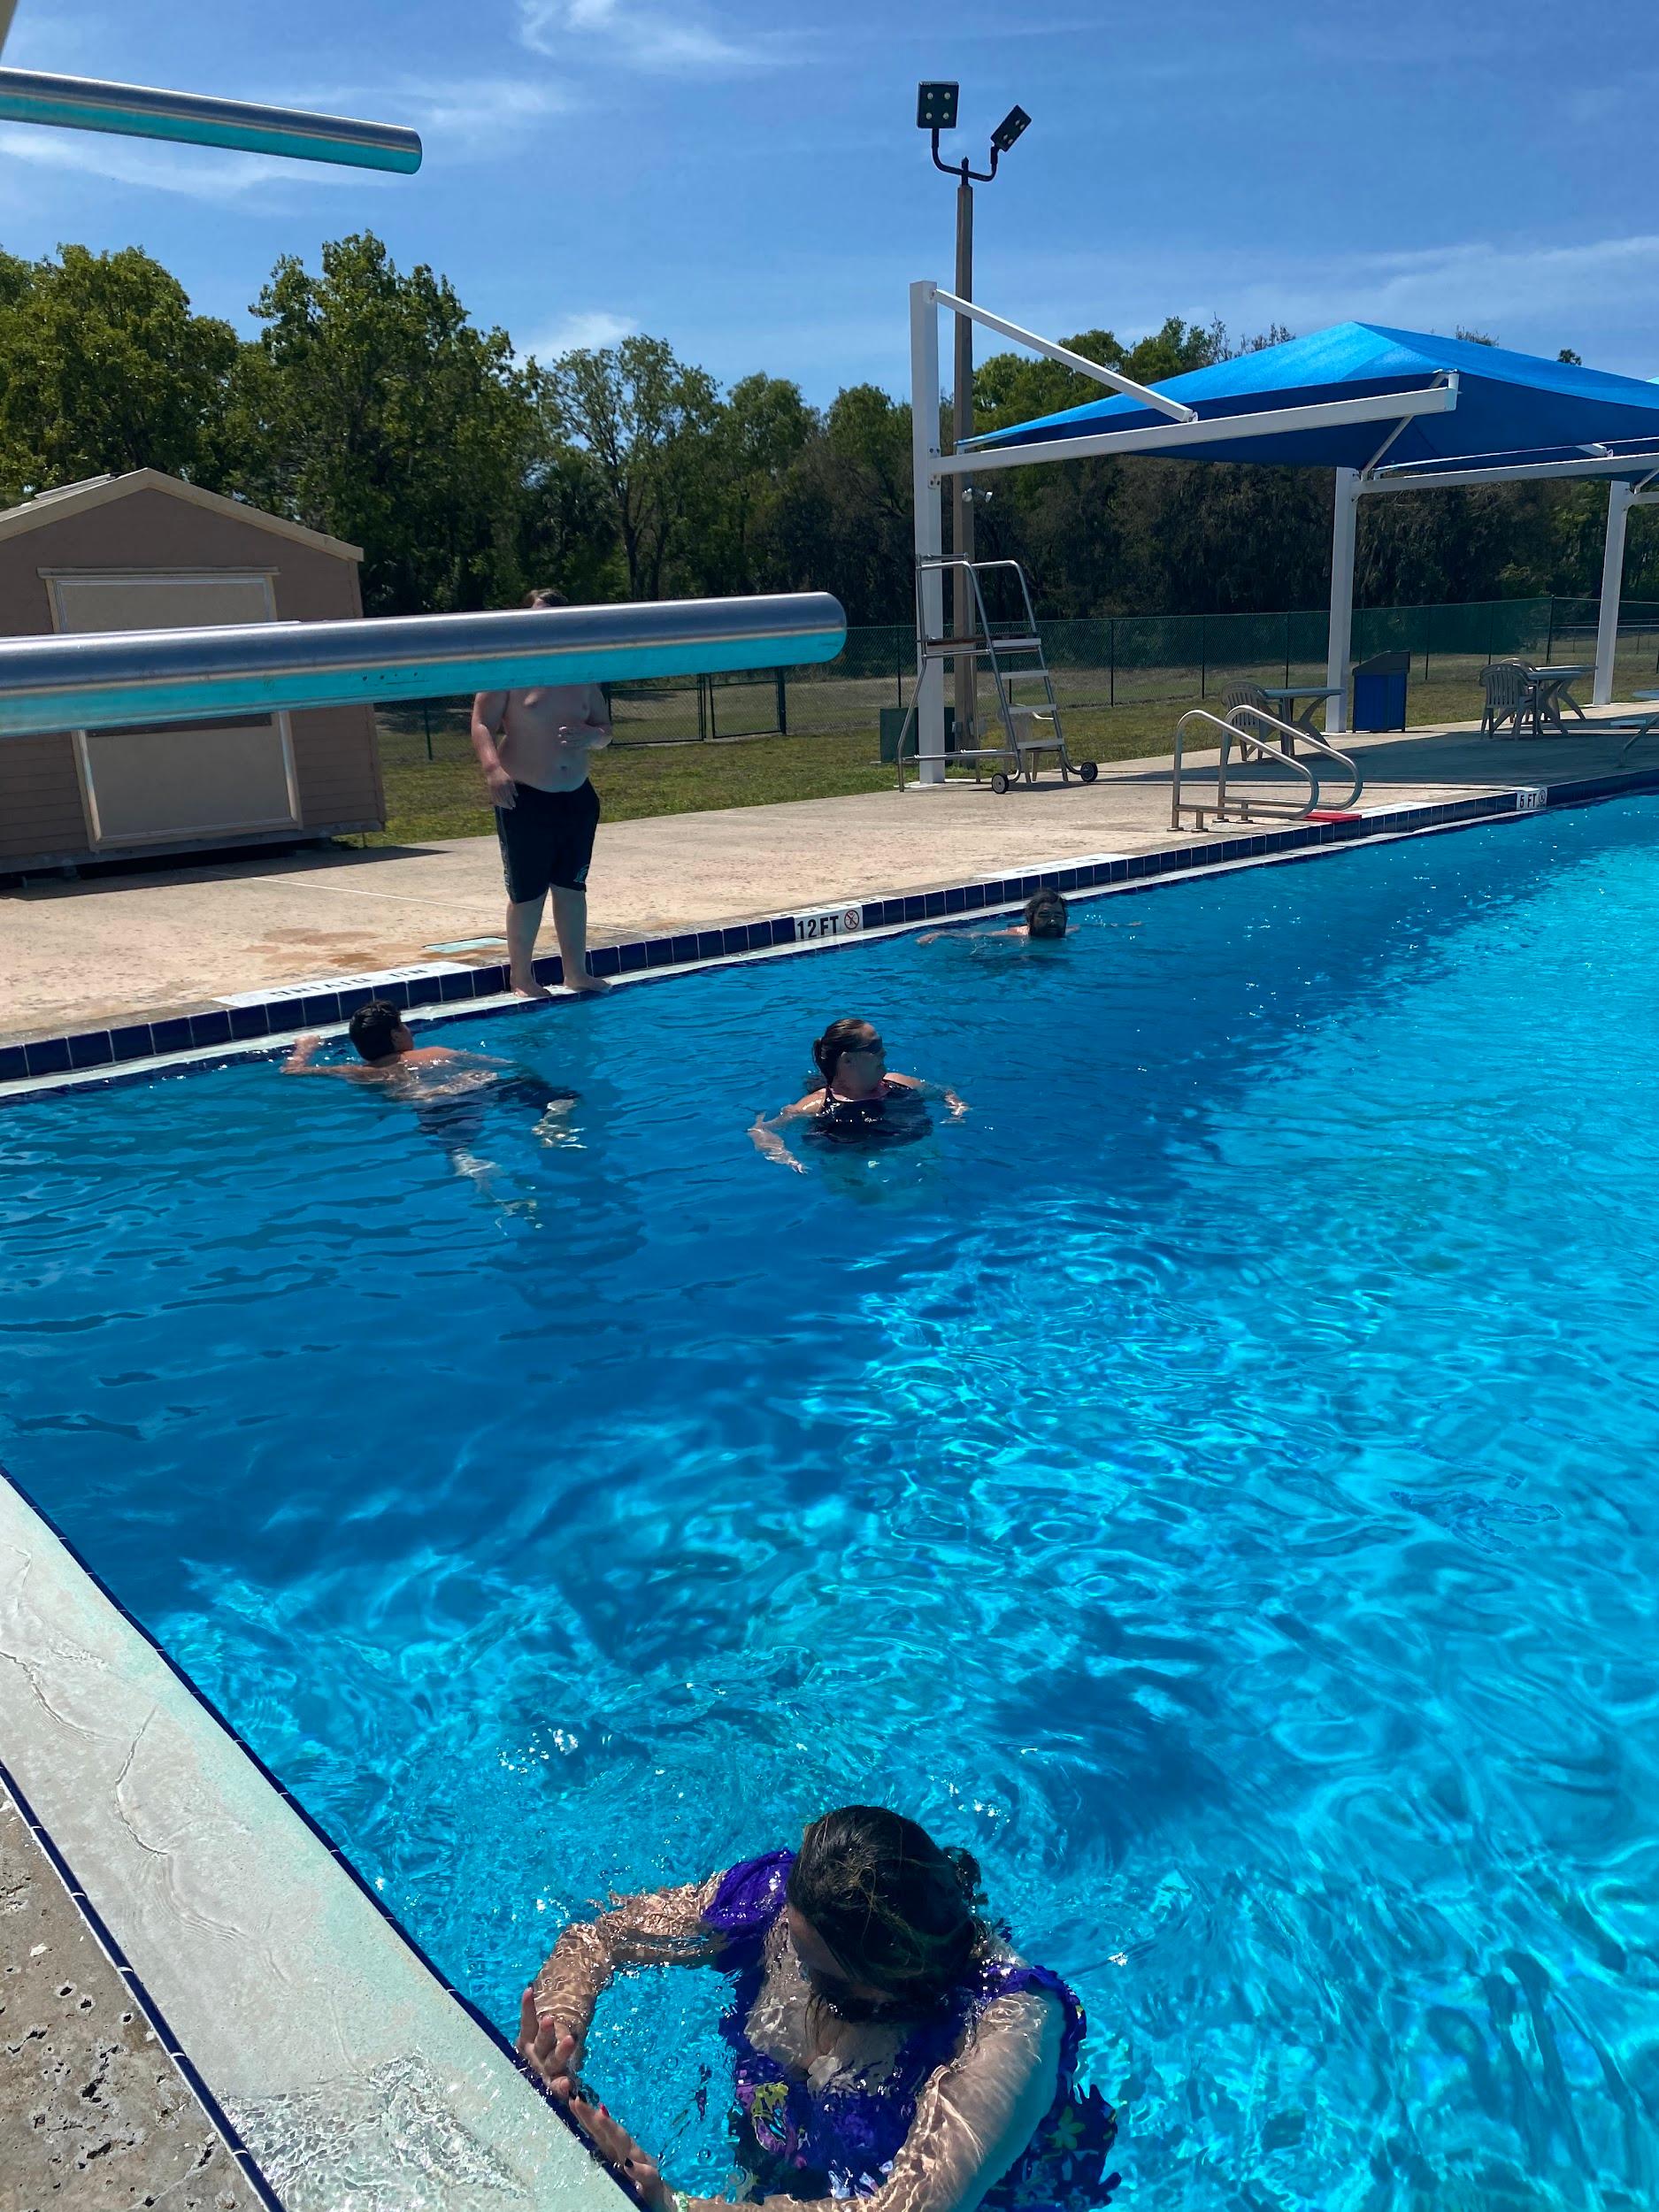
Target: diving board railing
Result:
[[89, 104], [121, 678], [1250, 808]]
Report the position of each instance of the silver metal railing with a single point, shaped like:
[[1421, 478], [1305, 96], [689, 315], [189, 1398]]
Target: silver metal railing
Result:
[[110, 681], [89, 104], [1251, 741]]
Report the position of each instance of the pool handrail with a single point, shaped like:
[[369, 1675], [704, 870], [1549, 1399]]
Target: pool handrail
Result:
[[114, 679], [1231, 726]]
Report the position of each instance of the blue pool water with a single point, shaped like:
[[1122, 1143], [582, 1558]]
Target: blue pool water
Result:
[[1216, 1481]]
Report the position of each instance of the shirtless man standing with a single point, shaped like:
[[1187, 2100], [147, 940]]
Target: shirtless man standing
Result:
[[532, 747]]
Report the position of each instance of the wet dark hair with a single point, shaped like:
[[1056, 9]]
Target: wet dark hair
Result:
[[544, 595], [1043, 911], [372, 1027], [838, 1040], [896, 1910]]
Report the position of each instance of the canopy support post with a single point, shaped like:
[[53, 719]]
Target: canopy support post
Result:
[[1619, 496], [924, 485], [1344, 534]]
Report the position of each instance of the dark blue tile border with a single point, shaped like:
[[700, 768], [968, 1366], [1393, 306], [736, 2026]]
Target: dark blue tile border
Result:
[[479, 2020], [94, 1051]]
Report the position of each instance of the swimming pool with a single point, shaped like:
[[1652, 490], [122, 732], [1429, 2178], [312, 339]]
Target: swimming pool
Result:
[[1213, 1481]]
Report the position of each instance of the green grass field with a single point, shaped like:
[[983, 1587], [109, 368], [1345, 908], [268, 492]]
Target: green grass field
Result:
[[444, 796]]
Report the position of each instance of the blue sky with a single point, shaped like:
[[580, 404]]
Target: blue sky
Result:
[[745, 178]]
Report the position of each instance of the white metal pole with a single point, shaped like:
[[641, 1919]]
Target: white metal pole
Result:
[[1619, 496], [1344, 530], [930, 595]]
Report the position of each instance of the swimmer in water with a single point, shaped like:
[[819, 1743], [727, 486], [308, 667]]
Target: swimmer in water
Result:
[[859, 1102], [1047, 918], [448, 1089]]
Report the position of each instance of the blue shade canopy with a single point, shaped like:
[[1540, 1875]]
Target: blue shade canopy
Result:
[[1510, 406]]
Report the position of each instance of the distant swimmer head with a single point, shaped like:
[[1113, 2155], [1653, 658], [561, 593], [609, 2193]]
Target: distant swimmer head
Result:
[[1047, 914], [851, 1056], [544, 595], [379, 1032]]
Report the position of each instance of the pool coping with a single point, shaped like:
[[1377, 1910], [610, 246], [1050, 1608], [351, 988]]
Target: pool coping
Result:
[[205, 1716], [91, 1059]]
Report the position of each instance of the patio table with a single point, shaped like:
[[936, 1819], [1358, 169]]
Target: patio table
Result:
[[1550, 692], [1284, 698]]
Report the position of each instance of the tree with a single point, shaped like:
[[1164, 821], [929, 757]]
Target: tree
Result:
[[642, 419], [104, 368], [374, 409]]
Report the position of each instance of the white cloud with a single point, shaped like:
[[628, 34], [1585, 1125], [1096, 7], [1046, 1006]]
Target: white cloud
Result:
[[586, 331], [465, 119], [197, 173], [1533, 297], [646, 37]]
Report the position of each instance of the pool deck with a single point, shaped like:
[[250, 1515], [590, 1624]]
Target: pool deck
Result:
[[145, 944]]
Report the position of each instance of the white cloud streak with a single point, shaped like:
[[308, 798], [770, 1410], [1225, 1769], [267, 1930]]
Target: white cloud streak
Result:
[[586, 331], [196, 173], [653, 40]]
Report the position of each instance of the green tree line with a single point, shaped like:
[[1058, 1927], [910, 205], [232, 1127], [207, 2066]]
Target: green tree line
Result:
[[370, 405]]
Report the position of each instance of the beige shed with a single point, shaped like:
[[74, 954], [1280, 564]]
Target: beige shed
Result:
[[144, 551]]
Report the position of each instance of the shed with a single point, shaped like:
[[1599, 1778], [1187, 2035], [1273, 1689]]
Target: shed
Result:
[[145, 551]]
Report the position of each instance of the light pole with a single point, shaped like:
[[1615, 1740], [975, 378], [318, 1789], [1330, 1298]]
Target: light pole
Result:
[[936, 111]]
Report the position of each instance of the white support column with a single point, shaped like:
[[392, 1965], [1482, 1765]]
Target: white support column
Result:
[[1344, 530], [930, 675], [1618, 504]]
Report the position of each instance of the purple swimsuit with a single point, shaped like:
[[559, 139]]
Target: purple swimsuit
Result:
[[840, 2141]]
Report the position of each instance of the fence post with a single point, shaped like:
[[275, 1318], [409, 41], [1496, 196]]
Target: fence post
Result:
[[1287, 649], [783, 702], [1111, 660], [898, 664], [706, 709], [1428, 641], [1550, 648], [426, 716], [1490, 611], [1203, 656]]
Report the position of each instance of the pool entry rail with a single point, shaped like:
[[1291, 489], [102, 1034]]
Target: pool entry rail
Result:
[[1013, 653], [1248, 727], [118, 679]]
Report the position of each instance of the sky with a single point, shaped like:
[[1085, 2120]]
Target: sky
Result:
[[744, 177]]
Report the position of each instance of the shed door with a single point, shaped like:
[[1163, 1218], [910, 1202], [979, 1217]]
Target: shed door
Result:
[[183, 779]]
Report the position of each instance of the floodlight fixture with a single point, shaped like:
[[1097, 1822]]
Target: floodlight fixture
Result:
[[936, 107], [1008, 129]]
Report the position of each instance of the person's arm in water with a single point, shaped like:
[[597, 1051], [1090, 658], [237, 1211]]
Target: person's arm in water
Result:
[[489, 711], [925, 1089], [764, 1134], [661, 1927], [974, 2120], [973, 935], [300, 1061]]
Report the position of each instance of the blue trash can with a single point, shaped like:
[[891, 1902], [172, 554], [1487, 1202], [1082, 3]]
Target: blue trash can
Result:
[[1379, 691]]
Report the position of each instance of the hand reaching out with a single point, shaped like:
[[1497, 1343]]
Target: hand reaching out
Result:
[[553, 2055]]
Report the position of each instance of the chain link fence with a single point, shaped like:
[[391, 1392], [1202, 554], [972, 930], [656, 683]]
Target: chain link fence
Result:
[[1115, 661]]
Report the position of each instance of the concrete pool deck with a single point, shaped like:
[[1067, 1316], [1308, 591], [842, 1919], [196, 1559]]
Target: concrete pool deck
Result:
[[147, 944]]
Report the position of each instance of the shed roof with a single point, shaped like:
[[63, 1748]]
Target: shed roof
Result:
[[97, 491], [1510, 406]]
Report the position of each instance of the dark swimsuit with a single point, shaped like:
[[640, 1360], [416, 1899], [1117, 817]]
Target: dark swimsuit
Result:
[[894, 1113]]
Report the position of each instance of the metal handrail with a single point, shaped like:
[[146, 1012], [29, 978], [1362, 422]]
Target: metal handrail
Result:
[[1231, 727]]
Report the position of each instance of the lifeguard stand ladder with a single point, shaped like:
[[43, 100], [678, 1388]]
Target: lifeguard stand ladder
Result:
[[1013, 653]]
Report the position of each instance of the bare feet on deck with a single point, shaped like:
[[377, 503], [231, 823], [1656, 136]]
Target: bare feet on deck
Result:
[[530, 989], [591, 984]]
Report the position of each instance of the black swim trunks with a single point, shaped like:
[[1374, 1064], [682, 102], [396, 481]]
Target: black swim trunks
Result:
[[546, 840]]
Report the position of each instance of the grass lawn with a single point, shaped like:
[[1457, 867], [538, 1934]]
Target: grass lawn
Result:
[[444, 796]]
